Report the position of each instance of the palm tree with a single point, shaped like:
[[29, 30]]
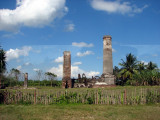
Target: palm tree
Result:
[[151, 66], [128, 67], [2, 63], [115, 71], [140, 66], [16, 73], [51, 76]]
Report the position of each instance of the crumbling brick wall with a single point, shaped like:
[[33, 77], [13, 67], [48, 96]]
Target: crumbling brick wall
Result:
[[66, 81]]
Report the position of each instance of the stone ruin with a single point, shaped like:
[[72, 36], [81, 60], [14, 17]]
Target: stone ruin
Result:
[[66, 81], [25, 80], [106, 79]]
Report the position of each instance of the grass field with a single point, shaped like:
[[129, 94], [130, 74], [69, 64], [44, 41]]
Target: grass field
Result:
[[79, 112]]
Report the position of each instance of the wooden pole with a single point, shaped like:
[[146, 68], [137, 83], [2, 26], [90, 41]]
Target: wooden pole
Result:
[[35, 97], [125, 97]]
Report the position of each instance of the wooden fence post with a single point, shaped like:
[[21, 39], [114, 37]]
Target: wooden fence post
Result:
[[97, 97], [125, 97], [15, 97], [34, 96]]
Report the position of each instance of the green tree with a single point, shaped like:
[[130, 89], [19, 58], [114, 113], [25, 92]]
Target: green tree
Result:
[[51, 76], [2, 63], [129, 67], [140, 66], [151, 66], [15, 73], [116, 72], [39, 75]]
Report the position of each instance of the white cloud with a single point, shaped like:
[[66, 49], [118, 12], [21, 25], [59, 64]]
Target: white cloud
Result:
[[79, 54], [31, 13], [92, 73], [145, 63], [59, 60], [139, 10], [75, 70], [27, 63], [37, 51], [82, 44], [69, 28], [77, 63], [113, 50], [19, 67], [154, 55], [57, 70], [16, 53], [116, 7], [35, 69]]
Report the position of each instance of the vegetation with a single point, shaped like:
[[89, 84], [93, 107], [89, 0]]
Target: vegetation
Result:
[[16, 73], [51, 76], [133, 72], [11, 82], [128, 67], [16, 78], [2, 63], [79, 112], [109, 96]]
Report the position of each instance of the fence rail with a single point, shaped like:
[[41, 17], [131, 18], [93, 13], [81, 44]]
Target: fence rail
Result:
[[87, 96]]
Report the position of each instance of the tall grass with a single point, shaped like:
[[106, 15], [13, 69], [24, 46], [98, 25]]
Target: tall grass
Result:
[[117, 96]]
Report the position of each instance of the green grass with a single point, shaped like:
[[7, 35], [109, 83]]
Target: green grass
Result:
[[79, 112]]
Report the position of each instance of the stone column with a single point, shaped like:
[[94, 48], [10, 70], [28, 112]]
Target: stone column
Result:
[[66, 81], [25, 80], [107, 60], [107, 55]]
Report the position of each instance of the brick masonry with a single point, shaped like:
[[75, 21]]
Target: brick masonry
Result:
[[25, 80], [66, 81]]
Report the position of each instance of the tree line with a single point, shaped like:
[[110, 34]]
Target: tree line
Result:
[[16, 78], [134, 72]]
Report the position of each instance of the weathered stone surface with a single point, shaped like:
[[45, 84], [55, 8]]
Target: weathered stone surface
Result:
[[107, 75], [107, 55], [66, 81], [25, 80], [107, 79]]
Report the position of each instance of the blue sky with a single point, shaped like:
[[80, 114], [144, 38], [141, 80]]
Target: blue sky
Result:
[[35, 33]]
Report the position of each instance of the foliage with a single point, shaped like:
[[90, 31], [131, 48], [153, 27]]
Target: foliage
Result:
[[10, 82], [55, 83], [127, 96], [51, 76], [151, 66], [128, 67], [2, 64], [133, 72], [2, 60], [147, 77], [15, 73]]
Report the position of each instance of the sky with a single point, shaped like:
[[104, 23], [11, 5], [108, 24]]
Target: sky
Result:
[[35, 33]]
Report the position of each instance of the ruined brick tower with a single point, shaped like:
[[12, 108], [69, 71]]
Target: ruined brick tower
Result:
[[66, 81], [107, 75], [25, 80]]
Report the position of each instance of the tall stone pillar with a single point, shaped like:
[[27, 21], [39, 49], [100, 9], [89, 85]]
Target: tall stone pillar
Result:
[[107, 75], [66, 81], [25, 80]]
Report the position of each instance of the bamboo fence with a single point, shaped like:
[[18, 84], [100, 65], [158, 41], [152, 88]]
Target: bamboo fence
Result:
[[84, 96]]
